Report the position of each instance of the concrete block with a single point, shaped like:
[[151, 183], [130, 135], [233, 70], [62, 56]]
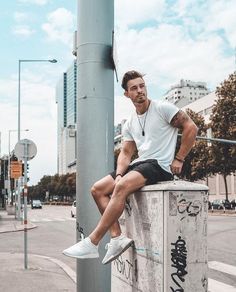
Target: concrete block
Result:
[[168, 223]]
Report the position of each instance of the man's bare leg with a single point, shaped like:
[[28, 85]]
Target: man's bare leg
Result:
[[129, 183], [101, 192]]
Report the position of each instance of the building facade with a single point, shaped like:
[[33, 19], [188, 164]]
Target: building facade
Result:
[[185, 92], [66, 92]]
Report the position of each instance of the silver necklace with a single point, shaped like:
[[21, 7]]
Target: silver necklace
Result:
[[144, 122]]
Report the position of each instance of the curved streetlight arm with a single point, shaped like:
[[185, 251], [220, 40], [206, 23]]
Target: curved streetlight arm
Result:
[[39, 60]]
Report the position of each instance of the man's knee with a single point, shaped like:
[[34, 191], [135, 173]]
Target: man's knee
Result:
[[120, 189], [95, 191]]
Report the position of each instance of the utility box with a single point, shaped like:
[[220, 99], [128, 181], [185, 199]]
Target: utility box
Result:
[[168, 222]]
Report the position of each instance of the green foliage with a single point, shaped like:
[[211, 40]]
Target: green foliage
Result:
[[196, 163], [57, 185], [223, 124]]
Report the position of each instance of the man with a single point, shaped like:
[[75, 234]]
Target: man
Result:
[[152, 130]]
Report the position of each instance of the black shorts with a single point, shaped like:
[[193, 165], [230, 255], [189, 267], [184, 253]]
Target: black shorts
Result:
[[149, 169]]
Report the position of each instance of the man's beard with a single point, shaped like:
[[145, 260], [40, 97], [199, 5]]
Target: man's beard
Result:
[[141, 99]]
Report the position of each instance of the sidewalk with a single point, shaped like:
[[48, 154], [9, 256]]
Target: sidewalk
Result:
[[231, 213], [42, 274], [8, 223]]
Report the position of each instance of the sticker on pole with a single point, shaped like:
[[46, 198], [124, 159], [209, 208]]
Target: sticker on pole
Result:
[[25, 149]]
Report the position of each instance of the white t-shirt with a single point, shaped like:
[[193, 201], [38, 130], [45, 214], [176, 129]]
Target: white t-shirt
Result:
[[160, 137]]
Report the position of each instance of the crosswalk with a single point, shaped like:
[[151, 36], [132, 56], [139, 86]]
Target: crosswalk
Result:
[[216, 286], [50, 219]]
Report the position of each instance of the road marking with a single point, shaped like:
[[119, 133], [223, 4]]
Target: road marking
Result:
[[51, 219], [216, 286], [228, 269], [45, 220]]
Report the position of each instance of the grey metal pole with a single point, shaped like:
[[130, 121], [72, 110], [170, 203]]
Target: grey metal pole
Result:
[[18, 127], [25, 206], [95, 124], [9, 167], [0, 144], [214, 139]]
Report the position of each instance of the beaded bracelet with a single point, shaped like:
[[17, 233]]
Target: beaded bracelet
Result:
[[180, 160]]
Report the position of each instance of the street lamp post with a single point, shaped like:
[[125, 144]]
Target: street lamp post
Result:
[[19, 111], [0, 144], [9, 163]]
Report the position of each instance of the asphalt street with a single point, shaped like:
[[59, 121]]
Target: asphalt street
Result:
[[56, 231]]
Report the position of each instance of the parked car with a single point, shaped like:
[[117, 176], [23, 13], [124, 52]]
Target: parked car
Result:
[[73, 209], [217, 204], [233, 204], [36, 204], [221, 204], [227, 204]]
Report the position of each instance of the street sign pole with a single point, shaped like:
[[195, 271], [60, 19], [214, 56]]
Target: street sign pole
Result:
[[26, 146], [25, 150]]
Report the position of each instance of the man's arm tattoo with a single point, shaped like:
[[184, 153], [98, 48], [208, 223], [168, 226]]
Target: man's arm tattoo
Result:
[[179, 119]]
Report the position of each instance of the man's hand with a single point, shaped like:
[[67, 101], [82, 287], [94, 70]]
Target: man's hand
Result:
[[176, 166]]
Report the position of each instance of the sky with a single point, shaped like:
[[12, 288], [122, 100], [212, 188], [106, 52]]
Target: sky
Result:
[[166, 40]]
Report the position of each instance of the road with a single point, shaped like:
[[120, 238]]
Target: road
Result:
[[222, 250], [56, 231]]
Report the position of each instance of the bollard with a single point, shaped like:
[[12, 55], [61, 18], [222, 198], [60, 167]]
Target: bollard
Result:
[[168, 222]]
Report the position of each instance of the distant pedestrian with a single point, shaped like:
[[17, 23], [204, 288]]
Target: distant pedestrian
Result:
[[151, 129]]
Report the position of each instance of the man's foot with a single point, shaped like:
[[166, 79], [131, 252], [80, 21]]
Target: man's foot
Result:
[[116, 247], [84, 249]]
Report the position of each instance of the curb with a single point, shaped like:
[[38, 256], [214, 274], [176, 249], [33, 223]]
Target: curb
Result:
[[70, 273], [16, 226], [222, 214], [19, 230]]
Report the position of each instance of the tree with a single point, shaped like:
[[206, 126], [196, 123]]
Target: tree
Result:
[[196, 162], [57, 185], [223, 124]]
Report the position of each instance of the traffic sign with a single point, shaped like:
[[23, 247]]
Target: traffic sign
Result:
[[25, 149], [16, 169]]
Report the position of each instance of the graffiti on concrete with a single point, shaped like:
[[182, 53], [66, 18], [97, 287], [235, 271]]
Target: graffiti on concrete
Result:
[[124, 267], [128, 207], [189, 208], [80, 230], [179, 262]]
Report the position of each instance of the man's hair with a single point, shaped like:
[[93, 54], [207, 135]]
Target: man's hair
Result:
[[129, 76]]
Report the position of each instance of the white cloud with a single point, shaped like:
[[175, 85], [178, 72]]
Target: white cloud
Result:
[[37, 2], [38, 114], [123, 108], [60, 26], [179, 49], [23, 30], [137, 11], [20, 16], [222, 17]]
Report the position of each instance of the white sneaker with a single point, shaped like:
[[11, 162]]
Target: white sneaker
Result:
[[84, 249], [116, 247]]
